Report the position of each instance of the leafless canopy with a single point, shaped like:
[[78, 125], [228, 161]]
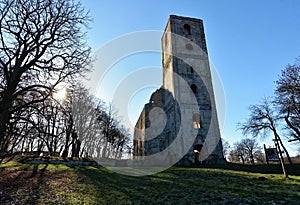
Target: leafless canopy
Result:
[[261, 120], [42, 44], [288, 98]]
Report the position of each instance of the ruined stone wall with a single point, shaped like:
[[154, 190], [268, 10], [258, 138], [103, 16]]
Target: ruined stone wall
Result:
[[185, 68]]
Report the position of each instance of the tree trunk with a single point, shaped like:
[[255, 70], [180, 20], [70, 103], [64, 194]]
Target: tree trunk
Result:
[[7, 101], [296, 131], [252, 158], [280, 157], [287, 154], [66, 149], [4, 119], [78, 145], [243, 160], [74, 144]]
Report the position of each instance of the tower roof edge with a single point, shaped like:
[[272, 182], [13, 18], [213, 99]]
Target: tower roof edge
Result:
[[172, 16]]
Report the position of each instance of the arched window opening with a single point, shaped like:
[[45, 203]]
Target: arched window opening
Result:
[[196, 121], [194, 88], [187, 29]]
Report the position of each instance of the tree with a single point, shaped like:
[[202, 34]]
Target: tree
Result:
[[42, 44], [288, 98], [262, 119], [259, 156], [251, 148], [240, 152], [226, 147], [246, 151], [92, 128], [233, 156], [115, 135], [82, 121]]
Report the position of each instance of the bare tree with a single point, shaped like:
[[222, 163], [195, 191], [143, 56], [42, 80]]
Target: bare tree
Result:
[[92, 127], [262, 119], [259, 156], [288, 97], [246, 151], [251, 147], [86, 128], [240, 153], [41, 45]]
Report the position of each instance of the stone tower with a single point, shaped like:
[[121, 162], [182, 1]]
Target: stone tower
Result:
[[186, 76]]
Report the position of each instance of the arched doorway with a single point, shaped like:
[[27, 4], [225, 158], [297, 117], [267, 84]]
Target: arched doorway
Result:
[[197, 149]]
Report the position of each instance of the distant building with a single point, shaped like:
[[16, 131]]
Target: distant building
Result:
[[182, 59]]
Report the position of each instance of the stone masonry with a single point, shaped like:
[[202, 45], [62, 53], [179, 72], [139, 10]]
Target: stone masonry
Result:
[[186, 70]]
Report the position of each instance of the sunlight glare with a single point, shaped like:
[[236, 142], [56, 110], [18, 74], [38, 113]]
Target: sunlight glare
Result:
[[60, 94]]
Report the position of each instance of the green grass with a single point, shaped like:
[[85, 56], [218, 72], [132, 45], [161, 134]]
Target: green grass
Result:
[[60, 184], [259, 168]]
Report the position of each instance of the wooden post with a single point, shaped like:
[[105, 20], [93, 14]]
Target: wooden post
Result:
[[280, 157]]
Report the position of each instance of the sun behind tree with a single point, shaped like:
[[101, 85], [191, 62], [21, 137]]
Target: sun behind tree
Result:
[[60, 94]]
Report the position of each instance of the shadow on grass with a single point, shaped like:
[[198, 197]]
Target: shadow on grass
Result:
[[258, 168], [188, 186], [21, 184], [34, 194], [61, 184]]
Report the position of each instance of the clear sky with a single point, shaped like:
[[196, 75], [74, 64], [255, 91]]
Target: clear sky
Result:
[[249, 42]]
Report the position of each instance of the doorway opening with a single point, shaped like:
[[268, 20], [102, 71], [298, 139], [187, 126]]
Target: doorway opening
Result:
[[197, 150]]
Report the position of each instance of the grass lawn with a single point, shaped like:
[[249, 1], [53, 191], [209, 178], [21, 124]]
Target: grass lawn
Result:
[[60, 184]]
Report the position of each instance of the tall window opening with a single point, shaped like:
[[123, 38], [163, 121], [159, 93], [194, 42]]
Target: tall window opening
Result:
[[196, 121], [187, 29], [194, 88]]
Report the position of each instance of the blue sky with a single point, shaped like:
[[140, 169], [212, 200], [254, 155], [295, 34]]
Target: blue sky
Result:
[[249, 42]]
